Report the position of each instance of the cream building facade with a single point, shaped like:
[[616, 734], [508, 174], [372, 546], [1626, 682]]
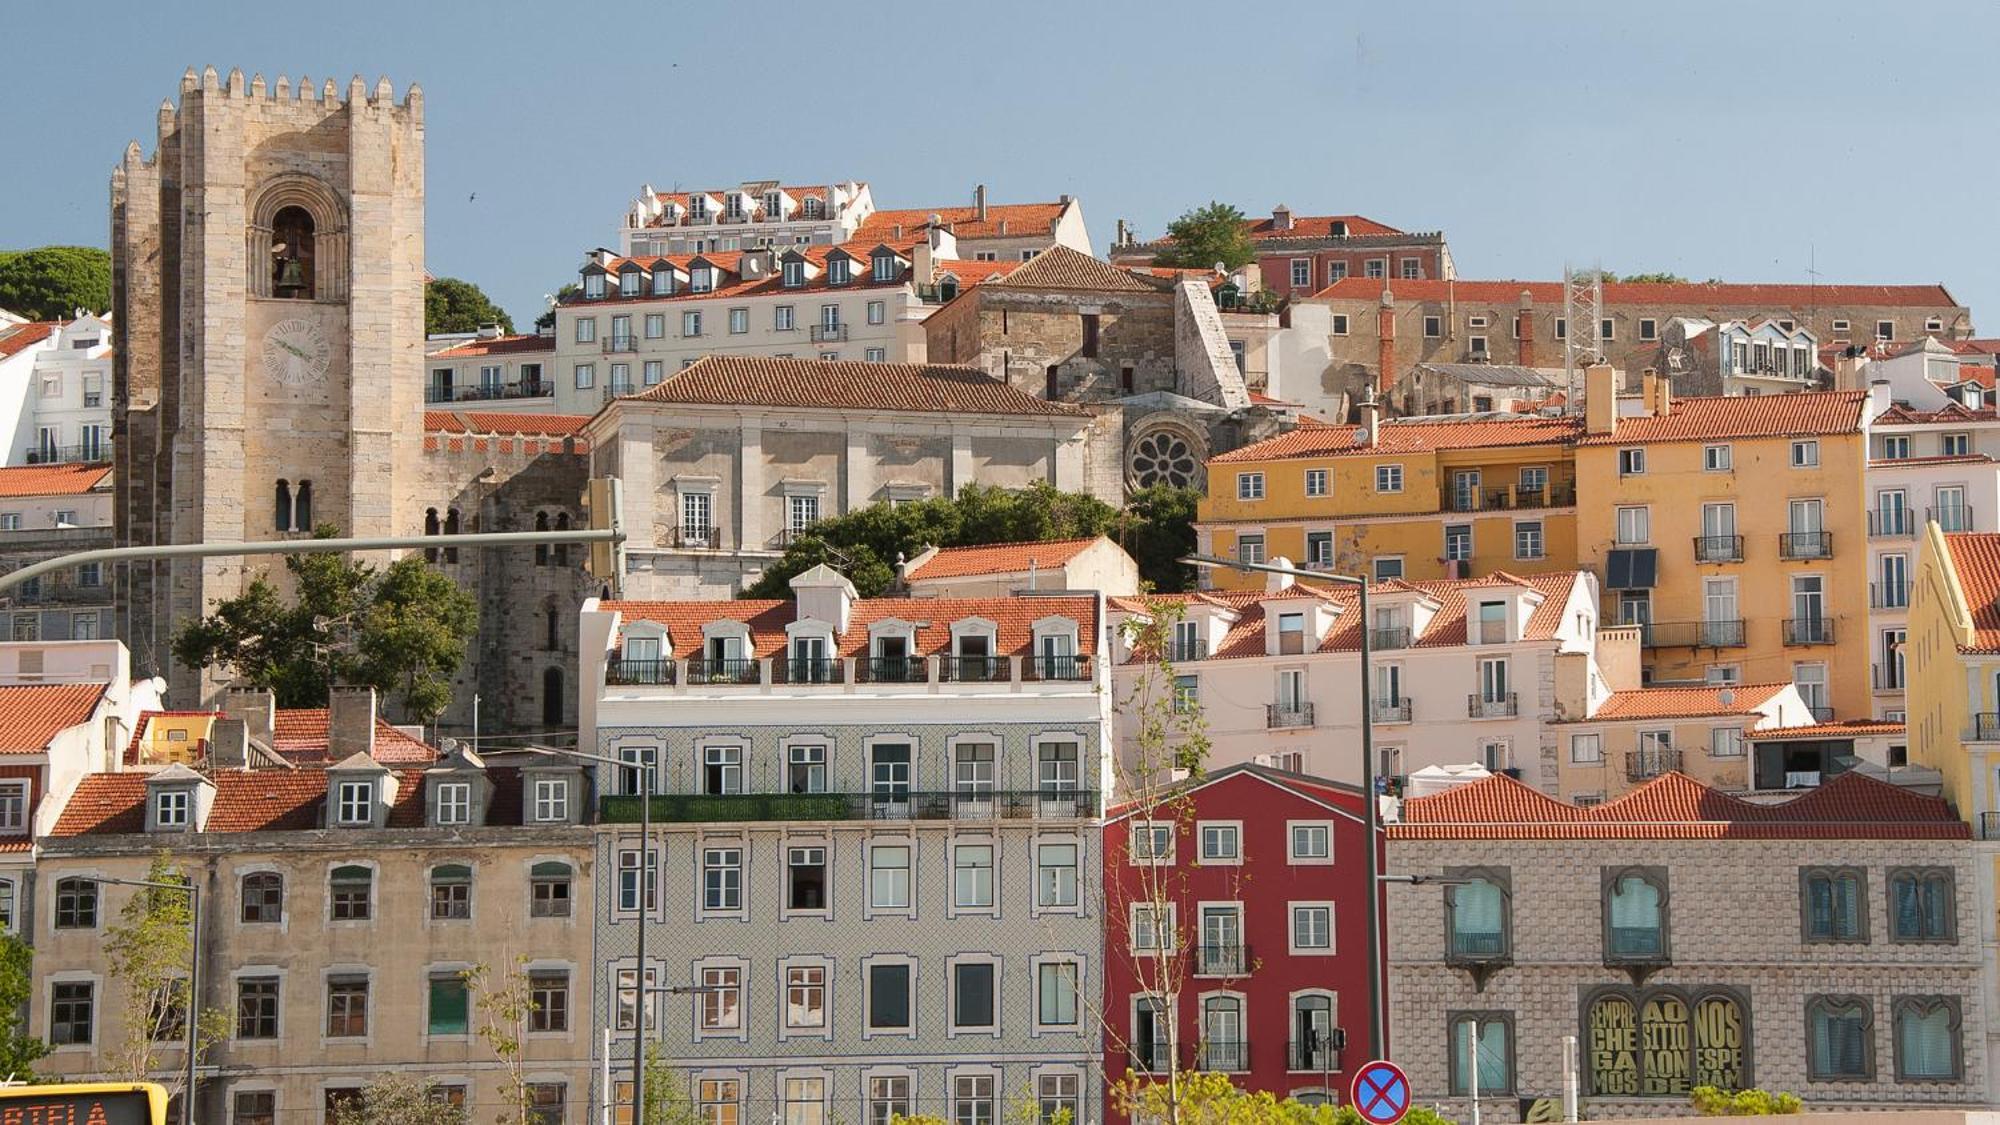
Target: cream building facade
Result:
[[64, 412], [751, 214]]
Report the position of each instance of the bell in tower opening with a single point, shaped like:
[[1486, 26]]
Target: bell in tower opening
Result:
[[292, 254]]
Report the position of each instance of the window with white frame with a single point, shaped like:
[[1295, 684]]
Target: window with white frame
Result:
[[1632, 461], [722, 879], [972, 876], [1302, 272], [691, 322], [889, 876], [632, 873], [171, 809], [1152, 842], [721, 1004], [974, 1004], [13, 806], [1056, 993], [586, 329], [551, 803], [1221, 843], [972, 1099], [1340, 324], [1250, 486], [805, 769], [1716, 458], [1311, 843], [1316, 482], [454, 802], [1152, 927], [1635, 526], [354, 802], [1586, 749], [805, 997], [1726, 742], [1056, 883], [1805, 454], [1312, 927], [805, 879]]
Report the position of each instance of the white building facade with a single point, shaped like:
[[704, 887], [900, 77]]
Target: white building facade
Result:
[[61, 407], [751, 214]]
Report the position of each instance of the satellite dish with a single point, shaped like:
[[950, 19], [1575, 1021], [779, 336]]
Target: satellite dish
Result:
[[1726, 697], [1360, 433]]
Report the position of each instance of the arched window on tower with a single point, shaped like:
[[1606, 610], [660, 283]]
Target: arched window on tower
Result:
[[451, 528], [554, 624], [562, 549], [302, 507], [292, 254], [552, 698], [430, 528], [541, 549], [281, 508]]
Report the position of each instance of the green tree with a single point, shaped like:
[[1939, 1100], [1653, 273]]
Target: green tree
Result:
[[395, 1099], [19, 1051], [452, 305], [1156, 527], [1710, 1101], [402, 631], [668, 1100], [1653, 278], [52, 282], [505, 1006], [547, 320], [147, 953], [1207, 235]]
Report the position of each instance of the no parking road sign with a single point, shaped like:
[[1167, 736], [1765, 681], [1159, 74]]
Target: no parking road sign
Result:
[[1380, 1093]]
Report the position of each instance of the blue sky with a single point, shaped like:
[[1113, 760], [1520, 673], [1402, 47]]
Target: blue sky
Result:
[[1749, 142]]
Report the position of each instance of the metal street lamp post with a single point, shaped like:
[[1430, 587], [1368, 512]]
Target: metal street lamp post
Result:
[[193, 1012], [1378, 1041]]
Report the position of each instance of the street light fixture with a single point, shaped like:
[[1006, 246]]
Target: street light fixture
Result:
[[1377, 1035], [193, 1012]]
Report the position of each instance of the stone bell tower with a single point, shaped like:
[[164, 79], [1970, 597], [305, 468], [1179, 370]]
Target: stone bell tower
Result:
[[267, 285]]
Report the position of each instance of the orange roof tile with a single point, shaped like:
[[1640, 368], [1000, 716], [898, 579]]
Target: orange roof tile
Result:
[[1674, 806], [498, 345], [21, 337], [1315, 226], [1845, 728], [731, 380], [1709, 418], [767, 620], [1694, 296], [1060, 267], [1686, 702], [31, 715], [1408, 436], [1975, 559], [73, 479], [1001, 558], [730, 282], [1022, 220], [299, 733], [502, 422], [245, 801]]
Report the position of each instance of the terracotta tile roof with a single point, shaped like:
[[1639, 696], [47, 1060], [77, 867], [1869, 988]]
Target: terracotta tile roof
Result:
[[502, 422], [1401, 436], [1315, 226], [31, 715], [767, 620], [1743, 416], [1686, 702], [1023, 220], [731, 284], [728, 380], [1975, 559], [497, 345], [1001, 558], [1986, 347], [21, 337], [1060, 267], [1846, 728], [55, 480], [971, 271], [1674, 806], [1694, 296], [1246, 636], [107, 804], [299, 733], [1980, 373], [1948, 414]]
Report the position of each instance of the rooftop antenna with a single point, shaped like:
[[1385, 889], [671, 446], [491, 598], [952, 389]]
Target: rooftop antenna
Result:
[[1583, 312]]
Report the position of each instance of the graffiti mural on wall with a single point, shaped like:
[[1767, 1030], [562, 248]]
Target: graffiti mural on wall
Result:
[[1657, 1042]]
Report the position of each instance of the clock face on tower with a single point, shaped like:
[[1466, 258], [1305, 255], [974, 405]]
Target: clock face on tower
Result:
[[296, 352]]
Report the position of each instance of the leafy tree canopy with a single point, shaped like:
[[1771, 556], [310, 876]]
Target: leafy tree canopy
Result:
[[402, 631], [1199, 1098], [1655, 278], [397, 1099], [547, 320], [1710, 1101], [1205, 236], [452, 305], [1156, 527], [19, 1051], [52, 282]]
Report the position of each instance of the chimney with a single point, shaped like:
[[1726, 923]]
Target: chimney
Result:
[[899, 231], [755, 265], [1649, 390], [923, 261], [350, 722], [229, 745], [489, 331], [1600, 399], [1371, 417], [1878, 398], [1385, 346], [1275, 583], [1848, 368], [1064, 199], [257, 710], [823, 594], [979, 202], [1281, 217], [1524, 328], [1662, 401]]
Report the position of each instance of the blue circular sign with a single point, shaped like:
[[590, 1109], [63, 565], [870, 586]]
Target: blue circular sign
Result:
[[1380, 1093]]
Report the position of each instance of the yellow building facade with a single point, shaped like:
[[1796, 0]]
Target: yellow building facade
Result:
[[1953, 659]]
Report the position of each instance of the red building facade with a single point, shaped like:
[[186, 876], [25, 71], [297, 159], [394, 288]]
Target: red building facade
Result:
[[1299, 255], [1235, 933]]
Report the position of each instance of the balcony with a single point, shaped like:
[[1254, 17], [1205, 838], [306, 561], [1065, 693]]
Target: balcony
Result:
[[724, 671], [1520, 499], [1984, 727], [1888, 595], [1393, 711], [829, 333], [887, 804], [1891, 523], [1056, 668], [1805, 545], [1820, 714], [619, 390], [1467, 945], [1808, 631], [1645, 944], [1383, 640], [1149, 1058], [1642, 764], [1694, 634], [974, 669], [697, 537], [1951, 517], [490, 392], [1226, 959], [1494, 707], [1315, 1055], [1886, 677], [1224, 1057], [67, 454], [616, 344], [891, 670], [804, 670], [1182, 652], [1718, 548], [1278, 716], [641, 672]]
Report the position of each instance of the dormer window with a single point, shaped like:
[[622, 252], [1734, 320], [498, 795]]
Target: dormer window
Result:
[[732, 206], [354, 802], [454, 803], [628, 283], [593, 285], [1492, 625], [697, 207], [774, 205], [663, 281], [885, 267], [1291, 633], [551, 800], [815, 207], [795, 274], [702, 279], [173, 809], [837, 270]]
